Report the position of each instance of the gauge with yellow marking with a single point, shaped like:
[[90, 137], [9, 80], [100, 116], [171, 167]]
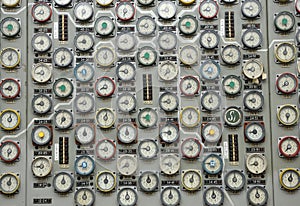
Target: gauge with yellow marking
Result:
[[104, 2], [10, 57], [41, 135], [190, 116], [288, 114], [10, 119], [106, 181], [187, 2], [105, 118], [9, 183], [285, 52], [191, 180], [10, 3], [289, 178]]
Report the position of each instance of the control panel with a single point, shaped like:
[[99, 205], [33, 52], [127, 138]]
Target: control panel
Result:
[[149, 102]]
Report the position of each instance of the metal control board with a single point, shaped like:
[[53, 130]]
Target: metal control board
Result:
[[149, 102]]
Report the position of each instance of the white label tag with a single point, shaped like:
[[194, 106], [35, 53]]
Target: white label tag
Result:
[[56, 152], [222, 27], [225, 149], [55, 32]]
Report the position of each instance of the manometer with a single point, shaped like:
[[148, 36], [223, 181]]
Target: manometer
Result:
[[145, 2], [126, 102], [148, 149], [10, 3], [105, 149], [127, 133], [254, 132], [210, 70], [84, 72], [252, 38], [10, 57], [169, 164], [188, 25], [41, 12], [208, 9], [127, 164], [63, 119], [9, 183], [211, 101], [106, 181], [63, 88], [288, 114], [213, 196], [104, 26], [209, 39], [231, 54], [9, 119], [148, 181], [232, 84], [83, 41], [251, 8], [10, 88], [104, 3], [41, 166], [191, 180], [189, 85], [41, 42], [285, 52], [105, 56], [170, 196], [127, 197], [125, 41], [146, 25], [289, 146], [168, 101], [9, 151], [284, 21], [211, 132], [84, 165], [125, 11], [235, 180], [289, 178], [105, 118], [84, 102], [105, 86], [167, 40], [126, 71], [188, 55], [146, 56], [191, 148], [41, 104], [167, 70], [169, 132], [256, 163], [85, 134], [287, 83], [10, 27], [84, 197], [190, 116], [41, 135], [187, 2], [253, 69], [62, 57], [147, 117], [257, 195], [41, 73], [212, 164], [166, 10], [63, 3], [63, 182], [233, 116], [253, 100], [229, 1], [83, 11]]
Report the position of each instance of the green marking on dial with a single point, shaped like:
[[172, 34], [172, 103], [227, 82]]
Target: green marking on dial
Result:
[[104, 25], [231, 84], [147, 117], [284, 21], [188, 24], [62, 88], [146, 55], [10, 27]]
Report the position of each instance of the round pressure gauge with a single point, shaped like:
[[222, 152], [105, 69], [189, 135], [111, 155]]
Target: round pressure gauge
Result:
[[83, 11], [125, 11], [233, 116], [148, 181], [209, 39], [208, 9], [147, 117], [85, 134], [41, 73], [84, 165], [285, 52], [290, 179], [145, 2], [41, 12], [257, 195], [148, 149], [10, 57], [63, 88], [84, 197], [84, 102], [126, 41], [41, 135], [211, 132], [190, 116], [188, 25], [62, 57], [251, 8], [41, 104], [168, 102], [288, 114], [127, 133], [253, 69], [231, 54], [235, 180], [284, 21], [106, 181], [232, 85], [105, 56], [41, 166], [146, 25], [146, 56], [63, 119], [170, 196], [105, 86], [127, 164], [289, 146], [63, 182], [253, 100], [126, 102], [170, 164], [255, 132], [287, 83], [104, 3], [126, 71], [167, 41], [191, 148], [189, 85], [9, 151], [252, 38], [84, 72], [211, 101], [127, 197], [10, 88], [62, 3], [213, 196], [10, 3], [256, 163], [210, 70], [191, 180], [10, 27], [105, 118], [9, 119], [41, 42], [105, 149], [167, 70], [187, 2], [9, 183], [229, 1], [212, 164], [83, 41], [166, 10], [169, 132], [104, 26], [188, 55]]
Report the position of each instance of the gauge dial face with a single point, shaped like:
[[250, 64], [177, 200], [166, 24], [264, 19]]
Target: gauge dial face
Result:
[[253, 101], [62, 57], [229, 1], [169, 164], [233, 116], [287, 114], [125, 11], [148, 181], [127, 164], [10, 27], [84, 197], [63, 88], [209, 39], [127, 197], [191, 148], [84, 102], [287, 83], [208, 9], [285, 52], [169, 132], [10, 3], [167, 41], [126, 71], [83, 11], [41, 166], [63, 119], [41, 42], [168, 102], [126, 102], [104, 3], [284, 21], [104, 26], [62, 3], [85, 134], [255, 132], [105, 56], [170, 196], [210, 70], [235, 180], [253, 69], [188, 55], [187, 2], [105, 149], [252, 38], [41, 135], [84, 41], [213, 196], [257, 196], [256, 163], [289, 146], [189, 85], [212, 164], [231, 54], [41, 12], [290, 179], [10, 88], [191, 180], [106, 181], [190, 117], [127, 133], [188, 25], [105, 86], [146, 56], [146, 25], [166, 10], [232, 85], [168, 70], [9, 151], [84, 72], [10, 57], [41, 73], [211, 101], [145, 2], [63, 182], [9, 119], [126, 41], [9, 183], [251, 8], [105, 118], [148, 149], [84, 165], [147, 117], [212, 132], [41, 104]]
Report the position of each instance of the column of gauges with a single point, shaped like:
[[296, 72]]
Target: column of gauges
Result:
[[284, 88], [12, 96]]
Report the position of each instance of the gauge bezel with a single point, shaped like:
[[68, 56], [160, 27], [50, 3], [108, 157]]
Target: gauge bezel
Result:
[[16, 145], [38, 4], [283, 153], [103, 173], [110, 142], [17, 82]]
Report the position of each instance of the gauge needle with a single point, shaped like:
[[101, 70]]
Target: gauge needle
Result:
[[105, 181], [251, 38], [168, 101], [105, 117], [84, 132], [105, 55], [287, 116], [125, 11], [62, 58], [170, 195], [9, 182], [213, 195], [146, 148], [148, 180], [9, 88], [9, 151], [83, 12], [41, 12], [234, 179], [104, 86], [126, 131], [288, 147], [191, 179], [188, 86], [63, 181], [84, 196], [127, 196], [9, 57], [9, 119], [125, 165], [290, 178]]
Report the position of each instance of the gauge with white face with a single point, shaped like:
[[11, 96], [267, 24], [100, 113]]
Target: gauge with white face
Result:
[[63, 119], [167, 70], [10, 3], [289, 146], [208, 9], [127, 197], [213, 196], [148, 181], [188, 55], [253, 69], [84, 102], [84, 72], [105, 86], [41, 166], [126, 41], [126, 71], [105, 149], [212, 164], [146, 25], [41, 42], [127, 164], [63, 3], [83, 41], [105, 56], [209, 39], [126, 102], [170, 196], [289, 179], [257, 195], [147, 117], [166, 10], [84, 134], [255, 132], [285, 52], [191, 180], [231, 54], [83, 11], [9, 151], [232, 85], [169, 164], [104, 3], [210, 70], [41, 104], [63, 57], [41, 135], [211, 132], [106, 181], [105, 118], [9, 183], [41, 73], [235, 180], [146, 56], [10, 88], [104, 26], [287, 83], [211, 101], [190, 116], [148, 149], [63, 182], [167, 41], [41, 12], [63, 88], [191, 148], [10, 57], [168, 101], [189, 85], [253, 101], [84, 197], [188, 25], [251, 8], [145, 2], [288, 114], [10, 27], [127, 133], [9, 119], [252, 38], [84, 165], [169, 132], [125, 11], [256, 163], [284, 21]]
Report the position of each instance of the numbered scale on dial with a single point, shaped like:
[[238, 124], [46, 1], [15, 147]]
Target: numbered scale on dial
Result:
[[83, 11], [9, 183], [289, 146], [208, 9], [235, 180], [213, 196], [63, 182], [10, 27], [251, 9], [148, 149], [84, 197], [10, 88], [9, 151], [41, 166], [257, 195], [289, 178], [125, 11], [10, 57], [127, 197], [106, 181], [191, 180], [105, 118], [41, 12], [148, 181], [9, 119], [84, 134], [105, 149], [170, 196]]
